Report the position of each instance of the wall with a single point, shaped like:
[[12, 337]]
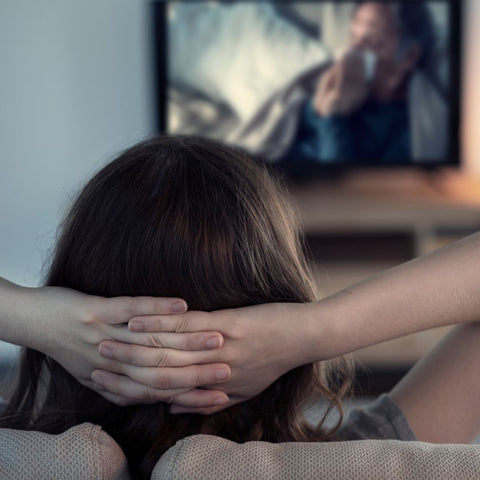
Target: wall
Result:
[[74, 89]]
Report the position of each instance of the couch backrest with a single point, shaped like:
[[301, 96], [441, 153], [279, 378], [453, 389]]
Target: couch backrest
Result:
[[87, 452], [204, 456], [82, 452]]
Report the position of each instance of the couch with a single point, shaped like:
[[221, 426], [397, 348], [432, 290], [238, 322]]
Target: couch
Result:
[[87, 452]]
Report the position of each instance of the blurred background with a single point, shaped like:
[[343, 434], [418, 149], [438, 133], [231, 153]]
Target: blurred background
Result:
[[77, 86]]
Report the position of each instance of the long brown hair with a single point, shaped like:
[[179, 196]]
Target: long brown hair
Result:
[[191, 218]]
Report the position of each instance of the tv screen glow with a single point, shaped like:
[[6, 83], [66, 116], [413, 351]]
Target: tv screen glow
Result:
[[322, 82]]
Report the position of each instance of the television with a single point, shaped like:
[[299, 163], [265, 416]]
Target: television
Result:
[[314, 84]]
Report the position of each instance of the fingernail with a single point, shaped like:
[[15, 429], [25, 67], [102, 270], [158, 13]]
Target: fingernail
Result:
[[105, 352], [221, 401], [179, 307], [222, 374], [136, 326], [213, 342], [97, 381]]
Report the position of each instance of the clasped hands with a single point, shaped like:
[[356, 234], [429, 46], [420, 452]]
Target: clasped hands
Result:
[[135, 350]]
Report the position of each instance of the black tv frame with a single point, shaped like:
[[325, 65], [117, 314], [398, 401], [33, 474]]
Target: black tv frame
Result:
[[158, 13]]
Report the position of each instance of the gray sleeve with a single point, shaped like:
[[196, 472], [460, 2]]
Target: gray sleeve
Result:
[[381, 420]]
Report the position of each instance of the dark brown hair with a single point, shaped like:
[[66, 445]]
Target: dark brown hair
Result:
[[190, 218]]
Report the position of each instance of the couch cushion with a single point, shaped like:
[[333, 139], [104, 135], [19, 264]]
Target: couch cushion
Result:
[[82, 452], [205, 456]]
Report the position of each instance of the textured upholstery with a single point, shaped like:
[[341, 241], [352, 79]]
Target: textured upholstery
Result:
[[204, 456], [86, 452], [82, 452]]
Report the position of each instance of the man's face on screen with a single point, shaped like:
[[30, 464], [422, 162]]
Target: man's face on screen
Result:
[[374, 28]]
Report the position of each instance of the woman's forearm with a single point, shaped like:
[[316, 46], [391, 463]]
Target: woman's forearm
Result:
[[14, 315], [438, 289], [68, 326]]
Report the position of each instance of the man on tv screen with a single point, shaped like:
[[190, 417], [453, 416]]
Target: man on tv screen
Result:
[[323, 82], [359, 110]]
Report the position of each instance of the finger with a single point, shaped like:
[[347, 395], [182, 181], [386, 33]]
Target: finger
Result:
[[179, 341], [326, 82], [122, 309], [331, 79], [188, 322], [177, 406], [142, 356], [341, 80], [208, 410], [174, 378], [122, 390], [201, 398], [123, 386]]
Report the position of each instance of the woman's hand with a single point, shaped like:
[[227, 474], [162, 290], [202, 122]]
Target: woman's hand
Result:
[[261, 343], [68, 326]]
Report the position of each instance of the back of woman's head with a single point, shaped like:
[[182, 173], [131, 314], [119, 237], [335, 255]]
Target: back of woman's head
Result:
[[190, 218], [185, 217]]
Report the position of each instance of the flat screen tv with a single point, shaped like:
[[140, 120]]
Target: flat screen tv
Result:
[[318, 83]]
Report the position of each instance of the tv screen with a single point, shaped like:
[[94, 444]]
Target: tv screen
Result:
[[327, 83]]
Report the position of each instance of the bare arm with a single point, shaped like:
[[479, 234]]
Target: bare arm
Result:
[[264, 341], [442, 288], [440, 396], [69, 325]]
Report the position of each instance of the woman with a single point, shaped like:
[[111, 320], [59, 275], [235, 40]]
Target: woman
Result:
[[188, 218], [439, 397]]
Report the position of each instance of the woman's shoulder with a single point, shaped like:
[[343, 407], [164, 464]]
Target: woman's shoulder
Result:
[[382, 419]]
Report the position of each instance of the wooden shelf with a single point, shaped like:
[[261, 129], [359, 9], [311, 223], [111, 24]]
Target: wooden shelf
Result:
[[379, 203]]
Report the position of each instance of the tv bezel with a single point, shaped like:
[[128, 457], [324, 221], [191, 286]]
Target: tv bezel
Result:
[[454, 157]]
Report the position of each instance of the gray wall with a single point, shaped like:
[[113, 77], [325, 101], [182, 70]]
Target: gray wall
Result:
[[74, 89]]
